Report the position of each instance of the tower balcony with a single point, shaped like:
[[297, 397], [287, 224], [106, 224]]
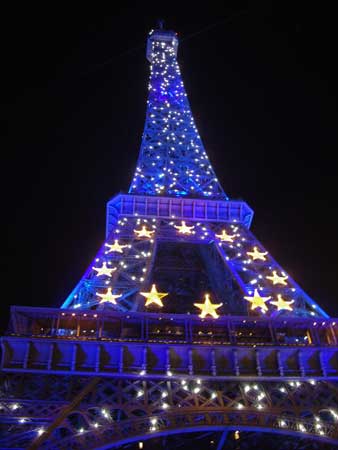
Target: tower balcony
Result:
[[160, 345], [182, 208]]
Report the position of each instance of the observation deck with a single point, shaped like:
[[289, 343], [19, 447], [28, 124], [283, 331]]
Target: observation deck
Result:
[[166, 345], [182, 208]]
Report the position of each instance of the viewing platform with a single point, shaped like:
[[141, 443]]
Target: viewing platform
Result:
[[92, 342], [158, 207]]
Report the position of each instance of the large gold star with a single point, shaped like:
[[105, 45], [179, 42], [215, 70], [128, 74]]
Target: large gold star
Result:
[[104, 270], [276, 279], [116, 247], [257, 301], [144, 232], [208, 308], [184, 229], [256, 254], [108, 296], [282, 304], [225, 237], [153, 296]]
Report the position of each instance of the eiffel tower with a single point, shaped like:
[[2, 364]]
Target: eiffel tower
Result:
[[184, 331]]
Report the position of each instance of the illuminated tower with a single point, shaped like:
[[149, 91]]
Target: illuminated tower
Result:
[[183, 328]]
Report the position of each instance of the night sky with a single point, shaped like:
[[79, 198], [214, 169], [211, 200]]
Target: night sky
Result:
[[262, 84]]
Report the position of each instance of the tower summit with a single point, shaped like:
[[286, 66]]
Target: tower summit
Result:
[[172, 158]]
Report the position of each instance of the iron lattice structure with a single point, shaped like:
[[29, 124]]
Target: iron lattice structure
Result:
[[109, 370], [172, 159]]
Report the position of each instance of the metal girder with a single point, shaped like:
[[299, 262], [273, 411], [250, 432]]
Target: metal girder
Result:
[[222, 440], [63, 415], [113, 412]]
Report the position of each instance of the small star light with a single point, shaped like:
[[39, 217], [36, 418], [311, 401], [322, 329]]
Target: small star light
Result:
[[108, 296], [282, 304], [225, 237], [276, 279], [153, 296], [208, 308], [104, 270], [256, 254], [116, 247], [144, 232], [257, 301], [184, 229]]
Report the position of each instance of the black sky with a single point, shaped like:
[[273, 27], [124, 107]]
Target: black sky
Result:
[[262, 83]]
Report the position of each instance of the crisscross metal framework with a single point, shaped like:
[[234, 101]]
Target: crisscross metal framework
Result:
[[117, 411], [138, 265], [105, 371], [172, 158]]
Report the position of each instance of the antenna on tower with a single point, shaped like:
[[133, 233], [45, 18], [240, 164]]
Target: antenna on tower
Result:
[[160, 24]]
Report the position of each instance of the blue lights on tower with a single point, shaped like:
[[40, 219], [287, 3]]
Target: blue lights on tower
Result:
[[175, 189], [172, 159]]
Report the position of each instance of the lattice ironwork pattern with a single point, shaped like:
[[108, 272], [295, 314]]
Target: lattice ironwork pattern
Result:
[[216, 251], [172, 158], [117, 411], [183, 323]]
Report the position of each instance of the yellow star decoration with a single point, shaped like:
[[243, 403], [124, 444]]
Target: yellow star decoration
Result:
[[144, 232], [282, 304], [208, 308], [225, 237], [276, 279], [108, 296], [184, 229], [256, 254], [257, 301], [153, 296], [116, 247], [104, 270]]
